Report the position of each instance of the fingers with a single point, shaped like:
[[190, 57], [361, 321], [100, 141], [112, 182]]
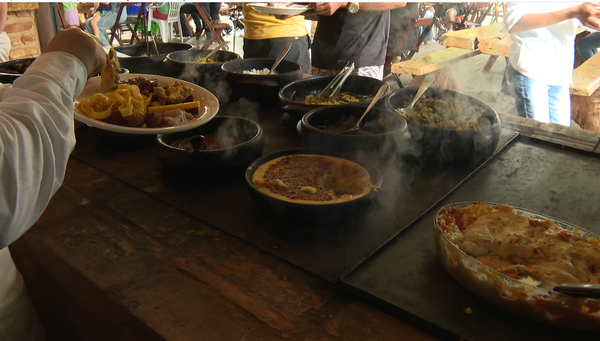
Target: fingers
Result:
[[84, 46]]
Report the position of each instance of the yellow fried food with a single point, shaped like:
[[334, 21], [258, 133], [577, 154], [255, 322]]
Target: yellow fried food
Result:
[[127, 99], [345, 98], [109, 77], [176, 92]]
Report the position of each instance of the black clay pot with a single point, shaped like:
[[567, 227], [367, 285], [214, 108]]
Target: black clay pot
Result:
[[310, 215], [262, 89], [142, 62], [447, 146], [383, 132], [184, 65], [13, 69], [218, 163], [292, 95]]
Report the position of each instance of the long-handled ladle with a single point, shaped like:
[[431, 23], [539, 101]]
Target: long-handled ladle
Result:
[[214, 51], [382, 90], [286, 48], [410, 109]]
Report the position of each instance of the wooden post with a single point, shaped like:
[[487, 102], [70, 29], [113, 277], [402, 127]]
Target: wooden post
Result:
[[45, 24]]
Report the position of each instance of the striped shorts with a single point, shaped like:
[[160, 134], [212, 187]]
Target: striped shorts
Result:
[[374, 71]]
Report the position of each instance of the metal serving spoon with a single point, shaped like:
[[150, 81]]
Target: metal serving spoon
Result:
[[284, 51], [571, 289], [214, 51], [382, 90], [410, 109]]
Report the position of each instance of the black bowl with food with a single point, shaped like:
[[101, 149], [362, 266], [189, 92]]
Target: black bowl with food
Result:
[[450, 127], [13, 69], [192, 66], [382, 131], [248, 78], [221, 148], [142, 57], [16, 66], [312, 187], [301, 96]]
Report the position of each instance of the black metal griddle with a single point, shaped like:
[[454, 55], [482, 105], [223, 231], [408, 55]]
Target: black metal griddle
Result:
[[406, 278]]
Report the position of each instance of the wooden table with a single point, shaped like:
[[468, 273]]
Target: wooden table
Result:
[[113, 259], [110, 259]]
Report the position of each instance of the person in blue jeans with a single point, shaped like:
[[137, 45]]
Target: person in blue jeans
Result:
[[540, 67], [588, 46], [429, 13], [189, 8]]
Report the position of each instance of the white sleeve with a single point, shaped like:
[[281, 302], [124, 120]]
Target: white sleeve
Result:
[[514, 12], [36, 138]]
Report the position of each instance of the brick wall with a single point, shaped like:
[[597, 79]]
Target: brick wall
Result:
[[22, 30]]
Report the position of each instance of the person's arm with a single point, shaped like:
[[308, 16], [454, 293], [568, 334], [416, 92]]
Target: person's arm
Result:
[[37, 128], [3, 14], [328, 8], [587, 13]]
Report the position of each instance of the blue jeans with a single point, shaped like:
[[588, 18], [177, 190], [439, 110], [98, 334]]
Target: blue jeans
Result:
[[588, 46], [429, 36], [189, 8], [539, 101]]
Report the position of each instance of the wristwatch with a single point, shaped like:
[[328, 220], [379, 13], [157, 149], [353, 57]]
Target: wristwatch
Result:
[[353, 7]]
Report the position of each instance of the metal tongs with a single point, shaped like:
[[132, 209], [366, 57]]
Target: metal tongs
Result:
[[333, 89]]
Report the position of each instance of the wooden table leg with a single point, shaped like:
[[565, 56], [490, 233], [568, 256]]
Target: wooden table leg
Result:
[[490, 63]]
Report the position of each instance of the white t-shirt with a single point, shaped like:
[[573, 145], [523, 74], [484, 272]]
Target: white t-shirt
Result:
[[545, 54], [36, 139]]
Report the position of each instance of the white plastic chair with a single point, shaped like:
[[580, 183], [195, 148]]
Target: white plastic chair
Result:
[[166, 26]]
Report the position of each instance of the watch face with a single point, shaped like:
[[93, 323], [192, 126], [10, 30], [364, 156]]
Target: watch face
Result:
[[352, 8]]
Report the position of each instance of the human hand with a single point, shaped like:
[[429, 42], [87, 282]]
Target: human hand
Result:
[[327, 8], [589, 15], [85, 47]]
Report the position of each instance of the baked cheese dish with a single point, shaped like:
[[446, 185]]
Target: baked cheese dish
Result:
[[521, 247]]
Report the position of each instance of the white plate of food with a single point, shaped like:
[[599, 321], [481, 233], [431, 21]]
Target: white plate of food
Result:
[[208, 107], [281, 9]]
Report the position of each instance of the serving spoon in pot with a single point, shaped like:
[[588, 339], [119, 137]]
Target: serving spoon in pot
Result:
[[284, 51], [382, 90], [410, 109], [213, 51]]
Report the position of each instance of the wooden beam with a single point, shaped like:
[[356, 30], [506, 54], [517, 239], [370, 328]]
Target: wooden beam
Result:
[[45, 25], [586, 77], [496, 46], [433, 61], [469, 38]]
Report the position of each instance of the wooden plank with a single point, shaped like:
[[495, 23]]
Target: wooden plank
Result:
[[574, 137], [496, 46], [586, 77], [433, 61], [469, 38]]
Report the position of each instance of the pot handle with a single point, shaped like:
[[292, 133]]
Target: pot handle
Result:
[[262, 82], [295, 107]]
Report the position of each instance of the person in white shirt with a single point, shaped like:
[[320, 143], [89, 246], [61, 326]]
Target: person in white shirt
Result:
[[36, 137], [540, 67]]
